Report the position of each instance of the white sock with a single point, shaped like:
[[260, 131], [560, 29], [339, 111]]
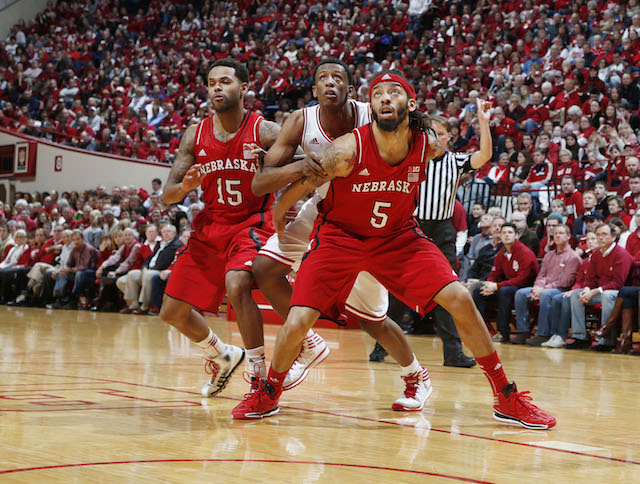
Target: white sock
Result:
[[212, 345], [256, 363], [412, 368], [309, 333]]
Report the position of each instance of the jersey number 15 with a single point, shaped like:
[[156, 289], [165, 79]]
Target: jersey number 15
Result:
[[234, 197]]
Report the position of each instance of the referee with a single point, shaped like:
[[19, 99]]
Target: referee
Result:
[[436, 199]]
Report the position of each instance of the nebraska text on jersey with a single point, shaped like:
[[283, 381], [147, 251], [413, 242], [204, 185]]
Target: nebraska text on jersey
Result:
[[228, 164], [383, 186]]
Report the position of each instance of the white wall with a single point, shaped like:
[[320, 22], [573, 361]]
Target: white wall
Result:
[[22, 9], [82, 170]]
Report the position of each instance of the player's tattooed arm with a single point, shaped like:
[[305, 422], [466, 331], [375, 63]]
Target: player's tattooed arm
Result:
[[277, 170], [184, 175], [268, 133], [337, 160]]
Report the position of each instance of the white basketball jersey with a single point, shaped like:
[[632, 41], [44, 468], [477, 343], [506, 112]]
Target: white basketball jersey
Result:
[[315, 138]]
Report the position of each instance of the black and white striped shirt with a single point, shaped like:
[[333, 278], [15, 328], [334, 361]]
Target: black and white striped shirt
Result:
[[437, 194]]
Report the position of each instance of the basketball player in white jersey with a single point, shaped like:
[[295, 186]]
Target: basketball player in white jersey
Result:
[[313, 129]]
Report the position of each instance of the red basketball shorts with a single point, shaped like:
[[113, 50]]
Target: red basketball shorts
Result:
[[198, 275], [407, 263]]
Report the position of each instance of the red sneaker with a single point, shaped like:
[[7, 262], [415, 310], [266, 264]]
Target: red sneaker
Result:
[[258, 403], [514, 407]]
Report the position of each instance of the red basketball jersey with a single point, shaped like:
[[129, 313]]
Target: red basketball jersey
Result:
[[376, 199], [230, 168]]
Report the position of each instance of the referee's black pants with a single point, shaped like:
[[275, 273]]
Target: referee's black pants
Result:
[[443, 233]]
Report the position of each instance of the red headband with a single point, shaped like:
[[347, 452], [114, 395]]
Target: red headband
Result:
[[389, 77]]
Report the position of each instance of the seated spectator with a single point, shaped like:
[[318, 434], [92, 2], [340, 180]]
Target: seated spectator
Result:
[[11, 261], [473, 218], [514, 267], [547, 244], [561, 304], [591, 221], [572, 198], [525, 234], [159, 281], [609, 269], [81, 268], [632, 197], [93, 233], [534, 218], [589, 202], [617, 209], [481, 267], [6, 241], [114, 267], [37, 273], [601, 190], [557, 274], [138, 285]]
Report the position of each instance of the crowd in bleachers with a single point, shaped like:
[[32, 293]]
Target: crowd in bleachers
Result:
[[96, 250], [562, 77]]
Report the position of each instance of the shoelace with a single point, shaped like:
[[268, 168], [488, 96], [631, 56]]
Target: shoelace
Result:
[[212, 368], [412, 385]]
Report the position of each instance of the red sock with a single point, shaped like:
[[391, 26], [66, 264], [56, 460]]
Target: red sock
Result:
[[276, 379], [493, 371]]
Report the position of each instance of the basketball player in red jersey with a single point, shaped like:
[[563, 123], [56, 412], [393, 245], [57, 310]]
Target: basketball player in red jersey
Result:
[[313, 129], [366, 223], [228, 232]]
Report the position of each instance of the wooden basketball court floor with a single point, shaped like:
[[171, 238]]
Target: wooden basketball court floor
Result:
[[88, 397]]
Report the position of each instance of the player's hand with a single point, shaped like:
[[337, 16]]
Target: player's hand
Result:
[[164, 275], [192, 179], [484, 110], [256, 151], [311, 166]]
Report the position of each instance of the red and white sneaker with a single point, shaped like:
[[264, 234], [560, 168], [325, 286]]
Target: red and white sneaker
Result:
[[221, 368], [417, 389], [515, 408], [263, 402], [313, 352]]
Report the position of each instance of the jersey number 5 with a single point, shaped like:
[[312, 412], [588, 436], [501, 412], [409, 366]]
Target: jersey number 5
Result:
[[234, 197], [379, 219]]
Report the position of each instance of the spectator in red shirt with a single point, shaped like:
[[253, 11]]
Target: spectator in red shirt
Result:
[[536, 114], [572, 198], [537, 179], [514, 267], [632, 197], [609, 269], [617, 209]]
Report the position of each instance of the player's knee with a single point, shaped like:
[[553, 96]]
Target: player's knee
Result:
[[171, 313], [238, 284], [458, 299], [261, 268]]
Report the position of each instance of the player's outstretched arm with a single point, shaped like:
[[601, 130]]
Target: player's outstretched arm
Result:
[[479, 158], [336, 160], [184, 175], [277, 169]]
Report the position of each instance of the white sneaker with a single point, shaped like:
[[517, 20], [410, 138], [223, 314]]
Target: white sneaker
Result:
[[221, 368], [417, 390], [555, 341], [314, 351]]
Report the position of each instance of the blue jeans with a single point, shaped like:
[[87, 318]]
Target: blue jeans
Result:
[[157, 290], [561, 310], [529, 125], [504, 296], [544, 317], [578, 325], [84, 280], [61, 284]]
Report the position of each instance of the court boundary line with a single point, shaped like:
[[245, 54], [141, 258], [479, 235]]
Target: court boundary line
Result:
[[367, 419], [264, 461]]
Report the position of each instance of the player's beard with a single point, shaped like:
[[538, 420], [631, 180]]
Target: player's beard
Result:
[[228, 104], [390, 125]]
